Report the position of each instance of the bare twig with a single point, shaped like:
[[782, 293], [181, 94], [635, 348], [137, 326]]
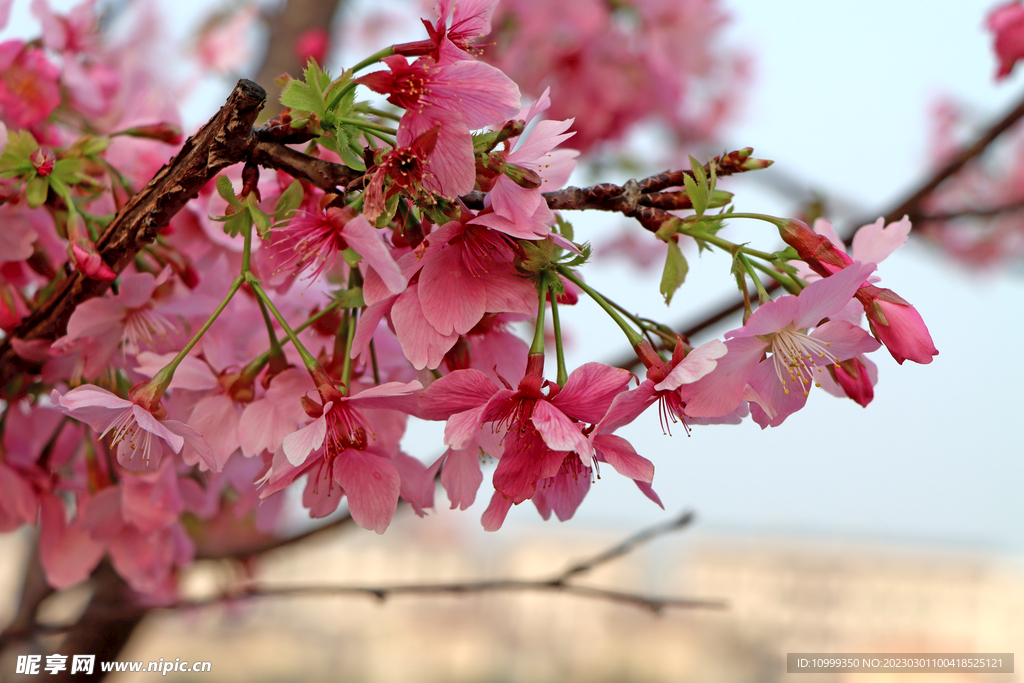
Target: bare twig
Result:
[[560, 582], [275, 543], [628, 545]]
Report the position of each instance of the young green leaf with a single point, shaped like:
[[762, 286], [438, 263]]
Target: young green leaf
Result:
[[35, 191], [260, 219], [698, 195], [675, 271], [227, 192], [289, 200]]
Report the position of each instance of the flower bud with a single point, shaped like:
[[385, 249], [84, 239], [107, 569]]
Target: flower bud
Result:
[[164, 132], [815, 250], [897, 324], [43, 159]]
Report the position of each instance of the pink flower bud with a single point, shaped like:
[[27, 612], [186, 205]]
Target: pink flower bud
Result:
[[853, 377], [897, 324], [815, 250], [43, 159], [164, 132]]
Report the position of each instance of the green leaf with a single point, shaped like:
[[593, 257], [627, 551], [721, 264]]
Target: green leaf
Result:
[[20, 144], [259, 218], [698, 195], [390, 208], [238, 222], [351, 160], [564, 228], [352, 258], [675, 271], [298, 95], [35, 191], [698, 172], [289, 200], [227, 192], [350, 298]]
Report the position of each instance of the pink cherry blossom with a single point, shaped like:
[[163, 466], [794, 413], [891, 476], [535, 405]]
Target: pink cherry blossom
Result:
[[29, 91], [310, 239], [780, 327], [136, 431]]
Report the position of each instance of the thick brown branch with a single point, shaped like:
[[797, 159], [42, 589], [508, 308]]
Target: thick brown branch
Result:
[[225, 140], [326, 175]]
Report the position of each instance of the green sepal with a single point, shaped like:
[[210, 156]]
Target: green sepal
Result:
[[390, 208], [35, 191], [350, 298], [227, 192], [352, 258], [260, 219], [289, 200], [787, 254], [674, 275]]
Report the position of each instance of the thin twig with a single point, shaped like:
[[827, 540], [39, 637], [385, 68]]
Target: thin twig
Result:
[[628, 545]]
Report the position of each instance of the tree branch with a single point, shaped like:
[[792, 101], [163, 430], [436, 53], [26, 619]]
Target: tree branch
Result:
[[225, 140], [559, 582]]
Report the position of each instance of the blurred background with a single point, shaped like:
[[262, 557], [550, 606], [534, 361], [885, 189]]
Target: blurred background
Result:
[[895, 528]]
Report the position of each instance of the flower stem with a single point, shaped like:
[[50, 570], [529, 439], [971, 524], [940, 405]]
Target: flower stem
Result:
[[537, 347], [350, 333], [307, 358], [762, 294], [363, 123], [374, 58], [562, 375], [162, 379], [631, 334]]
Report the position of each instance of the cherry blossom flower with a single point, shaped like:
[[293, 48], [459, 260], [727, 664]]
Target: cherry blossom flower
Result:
[[136, 430], [471, 19], [542, 432], [29, 90], [317, 238], [349, 450], [784, 379]]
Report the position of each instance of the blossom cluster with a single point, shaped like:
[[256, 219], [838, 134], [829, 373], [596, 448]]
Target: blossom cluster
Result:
[[278, 331]]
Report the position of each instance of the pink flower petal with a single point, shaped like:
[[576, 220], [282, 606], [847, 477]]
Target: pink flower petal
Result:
[[367, 242], [589, 392], [497, 510], [619, 453], [561, 434], [461, 476], [298, 445], [697, 363], [372, 485]]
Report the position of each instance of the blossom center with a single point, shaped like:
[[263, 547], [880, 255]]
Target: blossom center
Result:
[[796, 356]]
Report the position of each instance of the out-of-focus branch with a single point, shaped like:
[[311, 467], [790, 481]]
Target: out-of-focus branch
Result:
[[559, 583], [225, 140], [971, 213], [34, 590], [287, 23], [276, 543]]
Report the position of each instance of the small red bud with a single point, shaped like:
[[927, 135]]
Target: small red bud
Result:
[[43, 159]]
